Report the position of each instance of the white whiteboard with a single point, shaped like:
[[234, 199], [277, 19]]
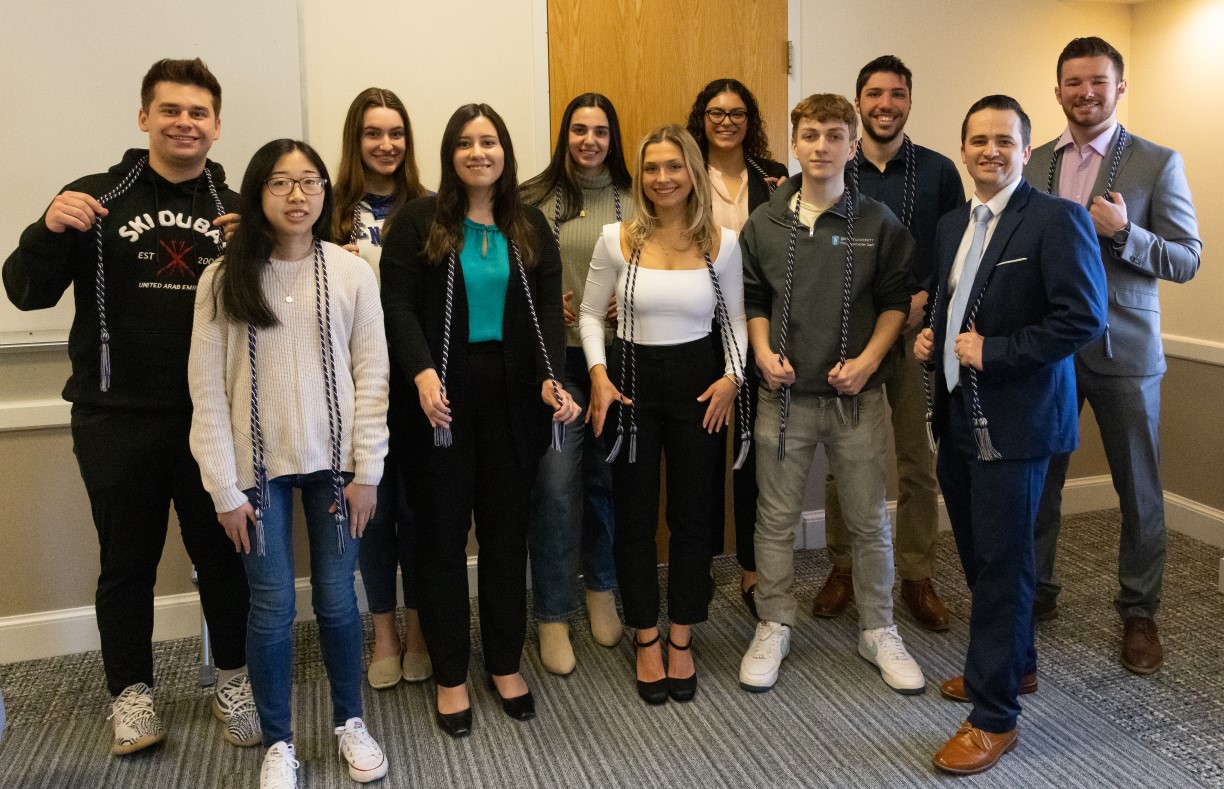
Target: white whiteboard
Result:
[[70, 91]]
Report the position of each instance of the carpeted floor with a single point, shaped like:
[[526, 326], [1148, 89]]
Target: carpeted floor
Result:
[[830, 721]]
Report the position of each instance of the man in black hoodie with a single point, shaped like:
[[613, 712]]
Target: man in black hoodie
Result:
[[132, 242]]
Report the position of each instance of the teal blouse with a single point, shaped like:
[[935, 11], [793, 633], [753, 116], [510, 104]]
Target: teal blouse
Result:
[[486, 274]]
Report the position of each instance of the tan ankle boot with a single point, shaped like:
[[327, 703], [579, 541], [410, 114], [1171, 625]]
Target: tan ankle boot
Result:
[[556, 653], [605, 622]]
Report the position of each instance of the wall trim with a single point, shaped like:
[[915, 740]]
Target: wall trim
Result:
[[68, 631], [1194, 349], [71, 630]]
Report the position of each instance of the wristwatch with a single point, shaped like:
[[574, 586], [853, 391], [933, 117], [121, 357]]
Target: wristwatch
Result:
[[1120, 237]]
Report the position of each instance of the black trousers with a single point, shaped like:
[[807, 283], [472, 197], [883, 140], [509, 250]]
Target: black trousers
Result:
[[743, 483], [134, 465], [484, 480], [668, 381]]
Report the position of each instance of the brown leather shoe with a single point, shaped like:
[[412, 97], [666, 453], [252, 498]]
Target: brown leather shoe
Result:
[[972, 750], [1141, 650], [835, 595], [1044, 609], [925, 605], [954, 688]]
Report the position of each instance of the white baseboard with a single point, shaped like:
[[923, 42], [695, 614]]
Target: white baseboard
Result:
[[72, 630], [1085, 494]]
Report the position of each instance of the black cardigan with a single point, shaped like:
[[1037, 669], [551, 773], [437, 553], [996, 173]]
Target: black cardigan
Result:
[[414, 303], [758, 190]]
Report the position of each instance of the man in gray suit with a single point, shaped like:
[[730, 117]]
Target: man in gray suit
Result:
[[1137, 195]]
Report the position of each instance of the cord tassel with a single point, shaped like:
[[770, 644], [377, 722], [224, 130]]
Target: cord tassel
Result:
[[981, 433], [558, 435], [442, 436], [745, 445], [1108, 344], [340, 531], [930, 430], [261, 547], [633, 443], [616, 446], [104, 353]]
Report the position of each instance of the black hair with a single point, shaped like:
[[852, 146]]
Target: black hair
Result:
[[999, 102], [238, 293], [888, 64], [446, 229], [559, 172], [756, 141]]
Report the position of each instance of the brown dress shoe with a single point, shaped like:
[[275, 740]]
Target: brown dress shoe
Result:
[[1141, 650], [925, 605], [954, 688], [972, 750], [1044, 609], [835, 595]]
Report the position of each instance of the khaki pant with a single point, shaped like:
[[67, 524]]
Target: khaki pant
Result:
[[917, 516]]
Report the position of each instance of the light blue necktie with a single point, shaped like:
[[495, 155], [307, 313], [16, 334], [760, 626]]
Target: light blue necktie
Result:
[[960, 299]]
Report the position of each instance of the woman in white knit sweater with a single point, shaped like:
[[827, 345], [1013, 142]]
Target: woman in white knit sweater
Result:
[[288, 376]]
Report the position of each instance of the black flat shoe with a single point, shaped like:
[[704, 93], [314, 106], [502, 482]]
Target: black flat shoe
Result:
[[682, 690], [456, 724], [651, 692], [749, 596], [521, 708]]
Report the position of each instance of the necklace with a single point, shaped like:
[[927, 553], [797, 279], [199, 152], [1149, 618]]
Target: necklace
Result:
[[581, 213], [288, 289]]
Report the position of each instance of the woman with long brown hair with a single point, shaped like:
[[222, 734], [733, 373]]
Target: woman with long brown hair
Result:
[[378, 174], [472, 293]]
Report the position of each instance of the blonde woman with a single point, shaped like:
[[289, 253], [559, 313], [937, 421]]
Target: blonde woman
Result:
[[672, 272]]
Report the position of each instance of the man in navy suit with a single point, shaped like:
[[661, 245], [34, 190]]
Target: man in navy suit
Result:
[[1144, 223], [1018, 288]]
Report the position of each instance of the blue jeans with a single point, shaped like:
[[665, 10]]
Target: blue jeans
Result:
[[270, 624], [388, 543], [571, 504]]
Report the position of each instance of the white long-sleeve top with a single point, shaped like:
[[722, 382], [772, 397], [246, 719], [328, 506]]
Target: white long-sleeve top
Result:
[[292, 400], [670, 307]]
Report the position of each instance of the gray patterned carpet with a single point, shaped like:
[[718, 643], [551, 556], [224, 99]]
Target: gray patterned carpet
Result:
[[830, 722]]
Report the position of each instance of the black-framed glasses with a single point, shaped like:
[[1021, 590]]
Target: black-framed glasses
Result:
[[718, 115], [282, 185]]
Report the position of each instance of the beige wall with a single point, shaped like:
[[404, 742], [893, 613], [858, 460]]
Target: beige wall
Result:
[[435, 57], [1174, 100]]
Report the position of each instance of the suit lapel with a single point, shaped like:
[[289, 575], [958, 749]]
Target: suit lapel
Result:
[[1009, 220]]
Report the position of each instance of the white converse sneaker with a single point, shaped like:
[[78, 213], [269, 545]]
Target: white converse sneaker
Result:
[[365, 759], [136, 723], [234, 706], [882, 647], [279, 767], [770, 646]]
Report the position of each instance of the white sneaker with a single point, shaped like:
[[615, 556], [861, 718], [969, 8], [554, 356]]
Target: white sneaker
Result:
[[136, 723], [365, 759], [279, 767], [234, 706], [882, 647], [770, 646]]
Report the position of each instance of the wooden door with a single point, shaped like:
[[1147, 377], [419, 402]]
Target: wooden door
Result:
[[651, 58]]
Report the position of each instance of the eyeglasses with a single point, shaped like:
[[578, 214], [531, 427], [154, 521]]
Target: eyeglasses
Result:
[[281, 186], [717, 116]]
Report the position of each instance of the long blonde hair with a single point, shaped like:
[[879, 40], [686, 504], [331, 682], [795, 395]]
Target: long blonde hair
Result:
[[698, 211]]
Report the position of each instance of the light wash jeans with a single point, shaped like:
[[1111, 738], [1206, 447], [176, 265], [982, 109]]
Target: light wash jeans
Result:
[[571, 511], [856, 458], [270, 625]]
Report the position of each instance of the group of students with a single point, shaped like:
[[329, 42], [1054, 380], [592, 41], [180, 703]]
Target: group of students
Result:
[[524, 357]]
